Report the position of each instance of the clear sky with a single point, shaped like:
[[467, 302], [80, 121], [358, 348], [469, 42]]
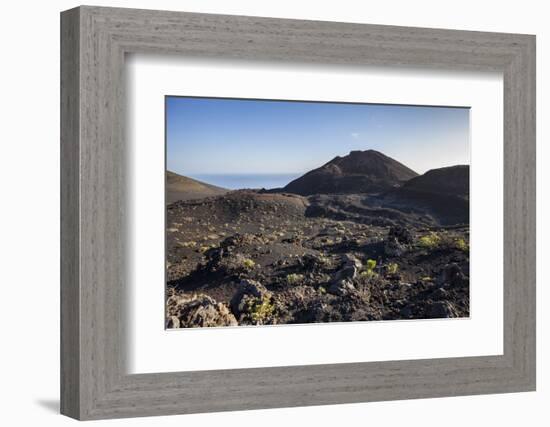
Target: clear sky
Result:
[[228, 136]]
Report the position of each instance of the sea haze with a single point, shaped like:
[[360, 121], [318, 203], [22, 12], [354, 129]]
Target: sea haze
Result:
[[240, 181]]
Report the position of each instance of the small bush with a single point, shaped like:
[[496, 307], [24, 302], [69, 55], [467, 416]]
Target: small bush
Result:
[[260, 309], [435, 241], [392, 268], [248, 264], [461, 244], [430, 241], [294, 279], [369, 273], [371, 264]]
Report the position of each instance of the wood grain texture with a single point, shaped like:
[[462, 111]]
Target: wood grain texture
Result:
[[70, 291], [94, 235]]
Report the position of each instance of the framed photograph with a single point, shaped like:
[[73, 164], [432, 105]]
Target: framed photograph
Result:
[[262, 213], [285, 212]]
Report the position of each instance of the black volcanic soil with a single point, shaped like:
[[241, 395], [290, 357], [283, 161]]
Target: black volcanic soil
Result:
[[250, 258]]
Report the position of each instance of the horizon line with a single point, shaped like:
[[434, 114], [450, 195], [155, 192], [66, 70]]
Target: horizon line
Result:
[[285, 173]]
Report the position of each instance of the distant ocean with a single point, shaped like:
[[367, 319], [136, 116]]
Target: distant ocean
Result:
[[236, 182]]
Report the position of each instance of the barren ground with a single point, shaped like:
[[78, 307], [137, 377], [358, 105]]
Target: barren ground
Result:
[[249, 258]]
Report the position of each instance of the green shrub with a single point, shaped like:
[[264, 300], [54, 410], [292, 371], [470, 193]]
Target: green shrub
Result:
[[392, 268], [248, 264], [434, 240], [371, 264], [368, 272], [461, 244], [294, 279], [430, 241], [260, 309]]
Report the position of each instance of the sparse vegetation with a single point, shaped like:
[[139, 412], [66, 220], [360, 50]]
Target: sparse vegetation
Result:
[[370, 265], [430, 241], [294, 278], [434, 240], [248, 264], [368, 274], [461, 244], [392, 268], [260, 309]]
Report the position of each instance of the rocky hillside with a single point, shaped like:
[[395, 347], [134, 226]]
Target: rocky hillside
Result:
[[359, 172], [180, 187], [452, 180], [247, 258], [443, 193]]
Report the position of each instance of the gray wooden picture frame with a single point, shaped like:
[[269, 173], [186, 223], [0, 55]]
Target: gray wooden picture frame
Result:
[[94, 382]]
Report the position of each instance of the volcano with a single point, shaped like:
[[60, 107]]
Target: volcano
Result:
[[366, 171]]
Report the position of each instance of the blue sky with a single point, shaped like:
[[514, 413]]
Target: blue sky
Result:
[[228, 136]]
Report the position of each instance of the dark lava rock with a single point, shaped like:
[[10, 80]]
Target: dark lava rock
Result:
[[318, 311], [349, 260], [392, 247], [252, 304], [252, 288], [452, 275], [349, 270], [439, 294], [441, 309], [173, 322], [341, 287], [406, 312], [401, 234], [312, 262], [193, 311], [231, 264]]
